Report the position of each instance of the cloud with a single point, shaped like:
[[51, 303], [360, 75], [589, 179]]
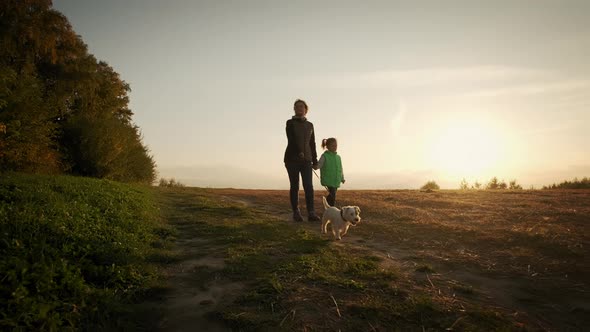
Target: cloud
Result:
[[450, 75], [484, 81], [555, 85], [422, 77]]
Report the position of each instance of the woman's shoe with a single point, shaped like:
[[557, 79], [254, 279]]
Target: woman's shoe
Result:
[[297, 216]]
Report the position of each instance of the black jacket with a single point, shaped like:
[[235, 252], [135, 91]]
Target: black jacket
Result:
[[301, 138]]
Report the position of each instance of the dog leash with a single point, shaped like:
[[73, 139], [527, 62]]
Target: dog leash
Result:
[[316, 175]]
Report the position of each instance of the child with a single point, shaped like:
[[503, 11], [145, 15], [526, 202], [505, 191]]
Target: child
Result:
[[330, 166]]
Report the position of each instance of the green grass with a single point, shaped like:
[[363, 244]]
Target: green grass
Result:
[[425, 268], [292, 275], [73, 250]]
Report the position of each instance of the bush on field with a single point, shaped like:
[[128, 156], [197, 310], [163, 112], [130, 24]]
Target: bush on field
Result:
[[514, 186], [430, 185], [172, 183], [464, 185], [496, 184], [493, 184]]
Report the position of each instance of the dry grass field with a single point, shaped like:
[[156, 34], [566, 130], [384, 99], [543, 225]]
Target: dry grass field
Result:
[[455, 260]]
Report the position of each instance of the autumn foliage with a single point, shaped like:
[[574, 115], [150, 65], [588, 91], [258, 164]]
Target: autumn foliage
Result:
[[62, 110]]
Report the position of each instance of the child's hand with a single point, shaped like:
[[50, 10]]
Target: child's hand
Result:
[[343, 181]]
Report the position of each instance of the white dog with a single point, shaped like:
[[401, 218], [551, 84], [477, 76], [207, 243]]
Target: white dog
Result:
[[341, 219]]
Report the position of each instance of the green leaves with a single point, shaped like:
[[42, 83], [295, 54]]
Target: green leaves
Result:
[[69, 246], [57, 101]]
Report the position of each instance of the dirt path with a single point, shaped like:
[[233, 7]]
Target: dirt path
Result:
[[189, 298], [194, 288]]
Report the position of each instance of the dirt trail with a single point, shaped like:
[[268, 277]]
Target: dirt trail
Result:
[[193, 287], [187, 303]]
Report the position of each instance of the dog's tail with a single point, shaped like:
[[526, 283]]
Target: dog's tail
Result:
[[326, 205]]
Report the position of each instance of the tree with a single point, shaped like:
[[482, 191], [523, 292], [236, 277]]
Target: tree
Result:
[[464, 185], [514, 186], [27, 141], [477, 185], [61, 110], [493, 184]]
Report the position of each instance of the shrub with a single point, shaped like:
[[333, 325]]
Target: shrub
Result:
[[107, 148], [495, 184], [514, 186], [172, 183], [464, 185], [430, 185]]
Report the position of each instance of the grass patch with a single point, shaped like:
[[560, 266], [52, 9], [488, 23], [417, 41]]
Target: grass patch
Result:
[[72, 250], [425, 268]]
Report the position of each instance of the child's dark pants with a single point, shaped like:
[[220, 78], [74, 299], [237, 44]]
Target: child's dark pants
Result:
[[331, 198]]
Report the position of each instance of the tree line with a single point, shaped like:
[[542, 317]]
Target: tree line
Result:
[[495, 184], [61, 109], [584, 183]]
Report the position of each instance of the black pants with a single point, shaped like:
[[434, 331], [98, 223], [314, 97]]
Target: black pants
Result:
[[294, 169], [331, 198]]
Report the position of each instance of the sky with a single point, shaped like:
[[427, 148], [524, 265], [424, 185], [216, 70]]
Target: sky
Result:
[[413, 90]]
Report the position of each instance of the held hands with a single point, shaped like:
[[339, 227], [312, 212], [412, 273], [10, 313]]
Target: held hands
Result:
[[315, 166]]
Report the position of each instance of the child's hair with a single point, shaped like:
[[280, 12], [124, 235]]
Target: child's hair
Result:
[[327, 141]]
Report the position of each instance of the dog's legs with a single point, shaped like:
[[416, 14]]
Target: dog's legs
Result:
[[325, 223], [345, 230]]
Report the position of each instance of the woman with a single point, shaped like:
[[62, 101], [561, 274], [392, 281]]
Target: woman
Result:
[[300, 157]]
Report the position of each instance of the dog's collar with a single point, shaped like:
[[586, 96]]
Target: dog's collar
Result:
[[342, 216]]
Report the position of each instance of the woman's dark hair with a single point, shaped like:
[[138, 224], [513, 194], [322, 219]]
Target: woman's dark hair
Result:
[[300, 101], [327, 141]]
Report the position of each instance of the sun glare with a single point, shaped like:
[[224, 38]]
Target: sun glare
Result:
[[466, 149]]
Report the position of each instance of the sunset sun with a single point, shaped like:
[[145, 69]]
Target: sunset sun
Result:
[[466, 149]]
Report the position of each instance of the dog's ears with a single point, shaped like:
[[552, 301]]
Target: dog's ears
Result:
[[358, 209]]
